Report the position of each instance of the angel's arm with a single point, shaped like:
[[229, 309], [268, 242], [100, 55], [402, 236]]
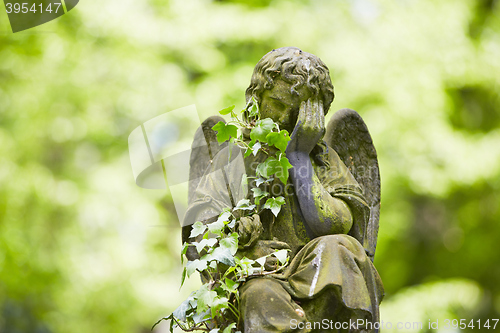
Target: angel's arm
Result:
[[322, 213]]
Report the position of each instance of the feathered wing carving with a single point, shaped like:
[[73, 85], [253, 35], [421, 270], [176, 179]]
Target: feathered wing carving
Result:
[[348, 134], [203, 150]]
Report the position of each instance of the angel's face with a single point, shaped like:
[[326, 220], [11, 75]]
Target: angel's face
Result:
[[281, 105]]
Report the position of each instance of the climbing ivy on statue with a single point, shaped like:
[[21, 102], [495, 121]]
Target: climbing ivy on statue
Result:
[[214, 307]]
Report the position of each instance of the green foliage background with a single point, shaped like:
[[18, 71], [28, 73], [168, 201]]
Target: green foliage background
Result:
[[83, 249]]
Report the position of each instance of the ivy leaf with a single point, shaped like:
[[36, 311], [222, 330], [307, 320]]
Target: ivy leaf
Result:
[[185, 247], [282, 256], [224, 216], [229, 329], [204, 242], [230, 243], [254, 110], [194, 265], [223, 255], [285, 165], [253, 149], [201, 317], [218, 305], [216, 227], [260, 181], [245, 265], [198, 229], [205, 298], [230, 285], [262, 129], [224, 131], [180, 312], [261, 261], [227, 110], [274, 204], [258, 194], [273, 166], [183, 277], [279, 140], [230, 270], [256, 148], [244, 204]]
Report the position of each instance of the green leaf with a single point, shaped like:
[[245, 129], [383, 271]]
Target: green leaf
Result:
[[260, 181], [194, 265], [274, 204], [198, 229], [223, 255], [256, 146], [225, 131], [224, 216], [254, 110], [230, 285], [253, 149], [230, 242], [205, 298], [258, 194], [216, 227], [272, 166], [215, 330], [218, 305], [180, 312], [279, 140], [230, 270], [262, 129], [229, 328], [183, 277], [282, 256], [285, 165], [203, 243], [261, 261], [185, 247], [227, 110], [245, 265], [201, 317], [244, 204]]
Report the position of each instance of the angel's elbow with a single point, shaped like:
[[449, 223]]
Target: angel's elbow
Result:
[[335, 219]]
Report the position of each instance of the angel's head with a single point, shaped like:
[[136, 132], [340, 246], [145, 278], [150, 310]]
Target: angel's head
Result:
[[284, 78]]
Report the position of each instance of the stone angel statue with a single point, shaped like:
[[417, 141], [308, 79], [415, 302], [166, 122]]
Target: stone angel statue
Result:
[[330, 218]]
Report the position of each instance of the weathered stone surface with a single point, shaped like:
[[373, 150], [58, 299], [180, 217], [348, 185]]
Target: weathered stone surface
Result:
[[330, 217]]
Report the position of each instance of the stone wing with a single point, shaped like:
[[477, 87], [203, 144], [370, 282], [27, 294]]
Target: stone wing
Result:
[[348, 134], [203, 151]]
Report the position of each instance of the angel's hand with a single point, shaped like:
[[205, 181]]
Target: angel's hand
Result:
[[310, 127], [249, 230], [263, 248]]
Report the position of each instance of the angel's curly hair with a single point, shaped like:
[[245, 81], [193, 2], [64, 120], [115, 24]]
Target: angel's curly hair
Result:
[[293, 66], [298, 68]]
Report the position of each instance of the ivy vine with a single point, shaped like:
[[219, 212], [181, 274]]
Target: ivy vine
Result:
[[214, 307]]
